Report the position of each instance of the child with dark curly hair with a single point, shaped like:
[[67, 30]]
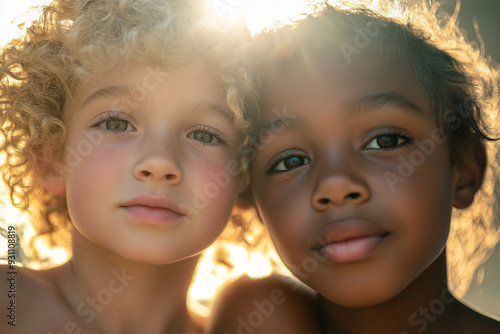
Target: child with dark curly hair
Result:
[[385, 137]]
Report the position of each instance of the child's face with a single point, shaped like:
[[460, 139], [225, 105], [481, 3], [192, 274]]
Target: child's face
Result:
[[150, 161], [354, 183]]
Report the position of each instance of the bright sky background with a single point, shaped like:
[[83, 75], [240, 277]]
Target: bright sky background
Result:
[[257, 13], [12, 13], [260, 13]]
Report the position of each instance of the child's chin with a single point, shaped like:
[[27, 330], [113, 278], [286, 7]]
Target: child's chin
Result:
[[357, 302], [157, 260], [361, 297]]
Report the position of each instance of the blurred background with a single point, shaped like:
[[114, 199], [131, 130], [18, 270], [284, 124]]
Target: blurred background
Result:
[[484, 292], [480, 19]]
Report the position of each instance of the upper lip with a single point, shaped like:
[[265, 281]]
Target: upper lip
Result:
[[153, 202], [346, 229]]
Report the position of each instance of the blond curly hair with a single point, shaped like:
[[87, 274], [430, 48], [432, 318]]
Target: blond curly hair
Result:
[[76, 40]]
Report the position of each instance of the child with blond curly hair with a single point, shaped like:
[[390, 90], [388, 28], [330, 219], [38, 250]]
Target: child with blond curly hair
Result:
[[122, 124]]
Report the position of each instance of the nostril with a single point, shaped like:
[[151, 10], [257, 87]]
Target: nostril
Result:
[[354, 195], [146, 173], [323, 201], [171, 177]]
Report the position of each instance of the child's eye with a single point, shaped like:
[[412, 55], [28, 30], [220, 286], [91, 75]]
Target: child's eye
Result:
[[117, 125], [114, 123], [286, 163], [206, 136], [203, 136], [387, 142]]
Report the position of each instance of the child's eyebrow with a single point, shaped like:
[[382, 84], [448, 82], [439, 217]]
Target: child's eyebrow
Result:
[[116, 91], [291, 122], [280, 124], [220, 109], [392, 99], [113, 91]]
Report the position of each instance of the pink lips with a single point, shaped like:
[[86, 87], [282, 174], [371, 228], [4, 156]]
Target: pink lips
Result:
[[349, 240], [149, 209]]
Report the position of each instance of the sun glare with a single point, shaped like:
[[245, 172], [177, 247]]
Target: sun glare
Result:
[[15, 14], [260, 14]]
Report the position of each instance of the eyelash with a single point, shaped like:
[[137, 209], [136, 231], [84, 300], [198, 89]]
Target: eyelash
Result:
[[406, 140], [118, 117], [280, 158], [210, 131], [109, 117]]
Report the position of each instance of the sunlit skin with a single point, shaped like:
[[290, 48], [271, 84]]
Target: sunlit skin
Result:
[[170, 145], [374, 249], [131, 195]]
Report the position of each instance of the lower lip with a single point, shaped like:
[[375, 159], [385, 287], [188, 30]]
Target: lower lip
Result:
[[351, 250], [152, 215]]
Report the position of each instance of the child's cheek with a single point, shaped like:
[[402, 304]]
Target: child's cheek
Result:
[[422, 188], [95, 172], [216, 184]]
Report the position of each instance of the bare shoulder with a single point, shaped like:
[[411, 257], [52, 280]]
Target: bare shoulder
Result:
[[275, 304], [32, 302]]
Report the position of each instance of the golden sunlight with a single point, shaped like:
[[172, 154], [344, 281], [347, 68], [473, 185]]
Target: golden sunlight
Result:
[[15, 14], [260, 14]]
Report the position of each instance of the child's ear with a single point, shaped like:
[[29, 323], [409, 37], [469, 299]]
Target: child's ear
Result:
[[470, 166], [51, 177]]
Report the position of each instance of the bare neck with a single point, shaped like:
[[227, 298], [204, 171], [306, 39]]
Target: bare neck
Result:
[[425, 305], [114, 295]]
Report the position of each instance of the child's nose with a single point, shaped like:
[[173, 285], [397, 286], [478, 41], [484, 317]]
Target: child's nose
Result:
[[338, 190], [158, 166]]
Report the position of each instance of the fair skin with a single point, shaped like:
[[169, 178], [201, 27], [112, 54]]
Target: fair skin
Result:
[[143, 202], [372, 248]]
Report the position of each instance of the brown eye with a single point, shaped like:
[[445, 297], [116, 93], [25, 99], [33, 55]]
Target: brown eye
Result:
[[294, 162], [387, 142], [289, 163]]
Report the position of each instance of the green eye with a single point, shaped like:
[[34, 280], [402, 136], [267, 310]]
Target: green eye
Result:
[[113, 123], [204, 137], [116, 125]]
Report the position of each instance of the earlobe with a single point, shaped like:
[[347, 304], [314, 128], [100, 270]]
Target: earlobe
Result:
[[470, 166], [51, 178]]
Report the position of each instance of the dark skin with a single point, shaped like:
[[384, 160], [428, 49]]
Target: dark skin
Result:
[[432, 309], [366, 234], [235, 310]]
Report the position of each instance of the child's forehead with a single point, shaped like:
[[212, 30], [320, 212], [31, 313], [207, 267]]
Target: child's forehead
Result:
[[333, 78], [331, 68], [139, 80]]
